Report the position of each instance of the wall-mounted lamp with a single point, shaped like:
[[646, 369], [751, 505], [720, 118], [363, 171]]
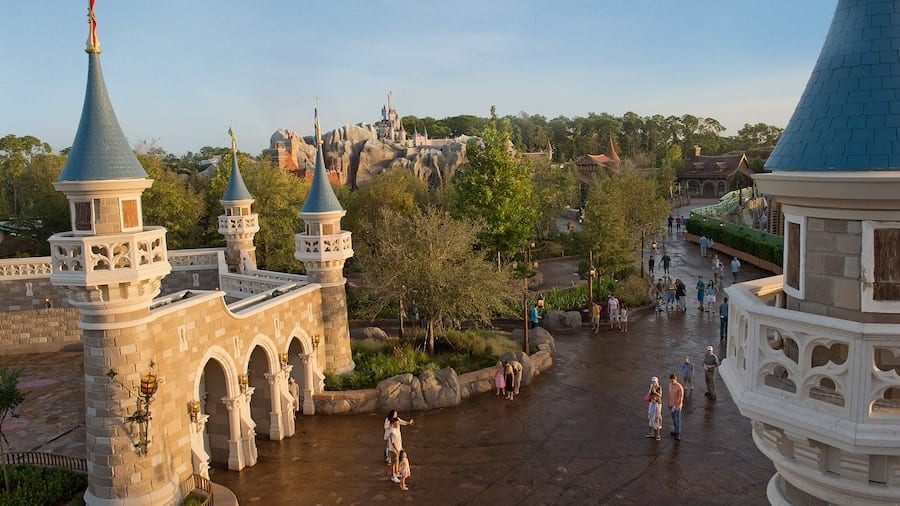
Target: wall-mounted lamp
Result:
[[316, 341], [244, 380], [194, 410], [284, 359], [141, 415]]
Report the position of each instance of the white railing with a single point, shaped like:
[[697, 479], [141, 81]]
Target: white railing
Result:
[[17, 268], [238, 224], [241, 286], [835, 379], [196, 259], [97, 259], [325, 247]]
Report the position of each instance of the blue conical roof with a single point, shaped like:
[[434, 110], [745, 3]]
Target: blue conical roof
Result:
[[848, 118], [236, 189], [321, 197], [100, 150]]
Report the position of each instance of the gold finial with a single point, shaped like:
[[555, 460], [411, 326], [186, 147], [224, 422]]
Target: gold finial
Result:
[[318, 128], [233, 142], [93, 45]]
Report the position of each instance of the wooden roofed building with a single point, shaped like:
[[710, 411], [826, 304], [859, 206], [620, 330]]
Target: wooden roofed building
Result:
[[712, 176]]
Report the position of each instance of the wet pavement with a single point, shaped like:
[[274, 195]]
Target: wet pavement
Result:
[[575, 436]]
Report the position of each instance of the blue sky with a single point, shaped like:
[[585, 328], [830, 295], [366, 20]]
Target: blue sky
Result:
[[180, 72]]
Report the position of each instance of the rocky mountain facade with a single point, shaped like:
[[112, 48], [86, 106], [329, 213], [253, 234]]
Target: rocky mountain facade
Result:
[[357, 155]]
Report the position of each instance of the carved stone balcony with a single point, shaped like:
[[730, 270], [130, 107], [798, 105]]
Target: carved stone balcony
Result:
[[323, 248], [823, 394], [108, 259], [248, 224]]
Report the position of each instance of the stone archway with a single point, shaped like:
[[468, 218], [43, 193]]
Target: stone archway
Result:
[[213, 386], [261, 402], [709, 189], [302, 356]]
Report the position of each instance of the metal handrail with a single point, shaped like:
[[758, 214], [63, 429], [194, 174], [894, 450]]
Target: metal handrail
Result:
[[43, 459]]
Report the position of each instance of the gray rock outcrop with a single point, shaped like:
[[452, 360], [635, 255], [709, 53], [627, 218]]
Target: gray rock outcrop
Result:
[[538, 337], [561, 320]]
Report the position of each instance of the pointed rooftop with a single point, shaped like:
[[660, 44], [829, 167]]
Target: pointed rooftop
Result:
[[611, 151], [236, 189], [100, 150], [321, 197], [848, 118]]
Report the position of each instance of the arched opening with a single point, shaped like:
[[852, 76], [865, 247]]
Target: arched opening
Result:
[[709, 189], [261, 401], [721, 188], [295, 358], [213, 387]]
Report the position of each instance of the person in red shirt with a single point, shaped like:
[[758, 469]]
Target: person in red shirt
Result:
[[676, 400]]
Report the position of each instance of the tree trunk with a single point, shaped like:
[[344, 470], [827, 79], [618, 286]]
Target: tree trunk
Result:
[[430, 333], [3, 463]]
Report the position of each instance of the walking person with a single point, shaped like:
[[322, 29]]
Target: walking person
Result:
[[704, 244], [701, 292], [500, 378], [404, 469], [654, 409], [723, 319], [666, 261], [717, 267], [710, 296], [613, 306], [670, 294], [595, 317], [677, 224], [623, 318], [735, 269], [687, 372], [676, 400], [680, 295], [670, 221], [710, 364], [651, 264]]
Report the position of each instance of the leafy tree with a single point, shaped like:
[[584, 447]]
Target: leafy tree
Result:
[[757, 136], [399, 190], [496, 189], [10, 398], [16, 154], [172, 203], [620, 211], [429, 257], [555, 188]]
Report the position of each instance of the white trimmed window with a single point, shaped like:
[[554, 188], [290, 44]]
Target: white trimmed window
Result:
[[794, 255], [880, 266]]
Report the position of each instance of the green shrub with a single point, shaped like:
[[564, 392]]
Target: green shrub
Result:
[[39, 486], [759, 244], [634, 291]]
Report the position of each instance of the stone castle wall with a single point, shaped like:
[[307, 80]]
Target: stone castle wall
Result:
[[40, 331]]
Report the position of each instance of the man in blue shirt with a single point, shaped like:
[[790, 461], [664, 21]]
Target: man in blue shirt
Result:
[[534, 319]]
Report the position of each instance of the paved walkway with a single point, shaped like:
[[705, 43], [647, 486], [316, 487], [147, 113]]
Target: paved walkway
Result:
[[575, 436]]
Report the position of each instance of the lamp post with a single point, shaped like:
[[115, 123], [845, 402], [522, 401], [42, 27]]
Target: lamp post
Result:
[[591, 273], [525, 296]]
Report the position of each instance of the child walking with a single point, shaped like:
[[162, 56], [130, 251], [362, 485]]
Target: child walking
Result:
[[404, 470], [687, 373], [623, 318]]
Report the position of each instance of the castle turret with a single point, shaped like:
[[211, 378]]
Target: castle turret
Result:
[[813, 354], [239, 225], [323, 248], [112, 265]]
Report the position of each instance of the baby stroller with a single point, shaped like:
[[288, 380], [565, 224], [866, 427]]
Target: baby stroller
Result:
[[660, 304]]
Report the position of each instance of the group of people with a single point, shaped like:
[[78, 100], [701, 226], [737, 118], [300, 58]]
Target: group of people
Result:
[[508, 378], [669, 293], [618, 314], [676, 223], [394, 452], [675, 397]]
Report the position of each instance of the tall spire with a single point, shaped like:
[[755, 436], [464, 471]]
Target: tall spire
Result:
[[236, 189], [321, 197], [100, 150]]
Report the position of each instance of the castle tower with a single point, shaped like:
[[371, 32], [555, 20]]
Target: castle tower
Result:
[[813, 355], [323, 248], [112, 265], [239, 225]]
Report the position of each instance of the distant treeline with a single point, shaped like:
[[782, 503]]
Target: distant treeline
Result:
[[645, 139]]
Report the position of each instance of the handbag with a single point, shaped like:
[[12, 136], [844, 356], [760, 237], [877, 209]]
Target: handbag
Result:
[[647, 397]]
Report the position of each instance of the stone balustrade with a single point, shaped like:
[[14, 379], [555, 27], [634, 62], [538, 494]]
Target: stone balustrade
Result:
[[327, 247], [102, 259], [834, 380], [193, 259], [237, 224], [21, 268], [241, 286]]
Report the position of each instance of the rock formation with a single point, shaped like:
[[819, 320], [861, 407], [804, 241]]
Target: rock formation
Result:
[[357, 155]]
